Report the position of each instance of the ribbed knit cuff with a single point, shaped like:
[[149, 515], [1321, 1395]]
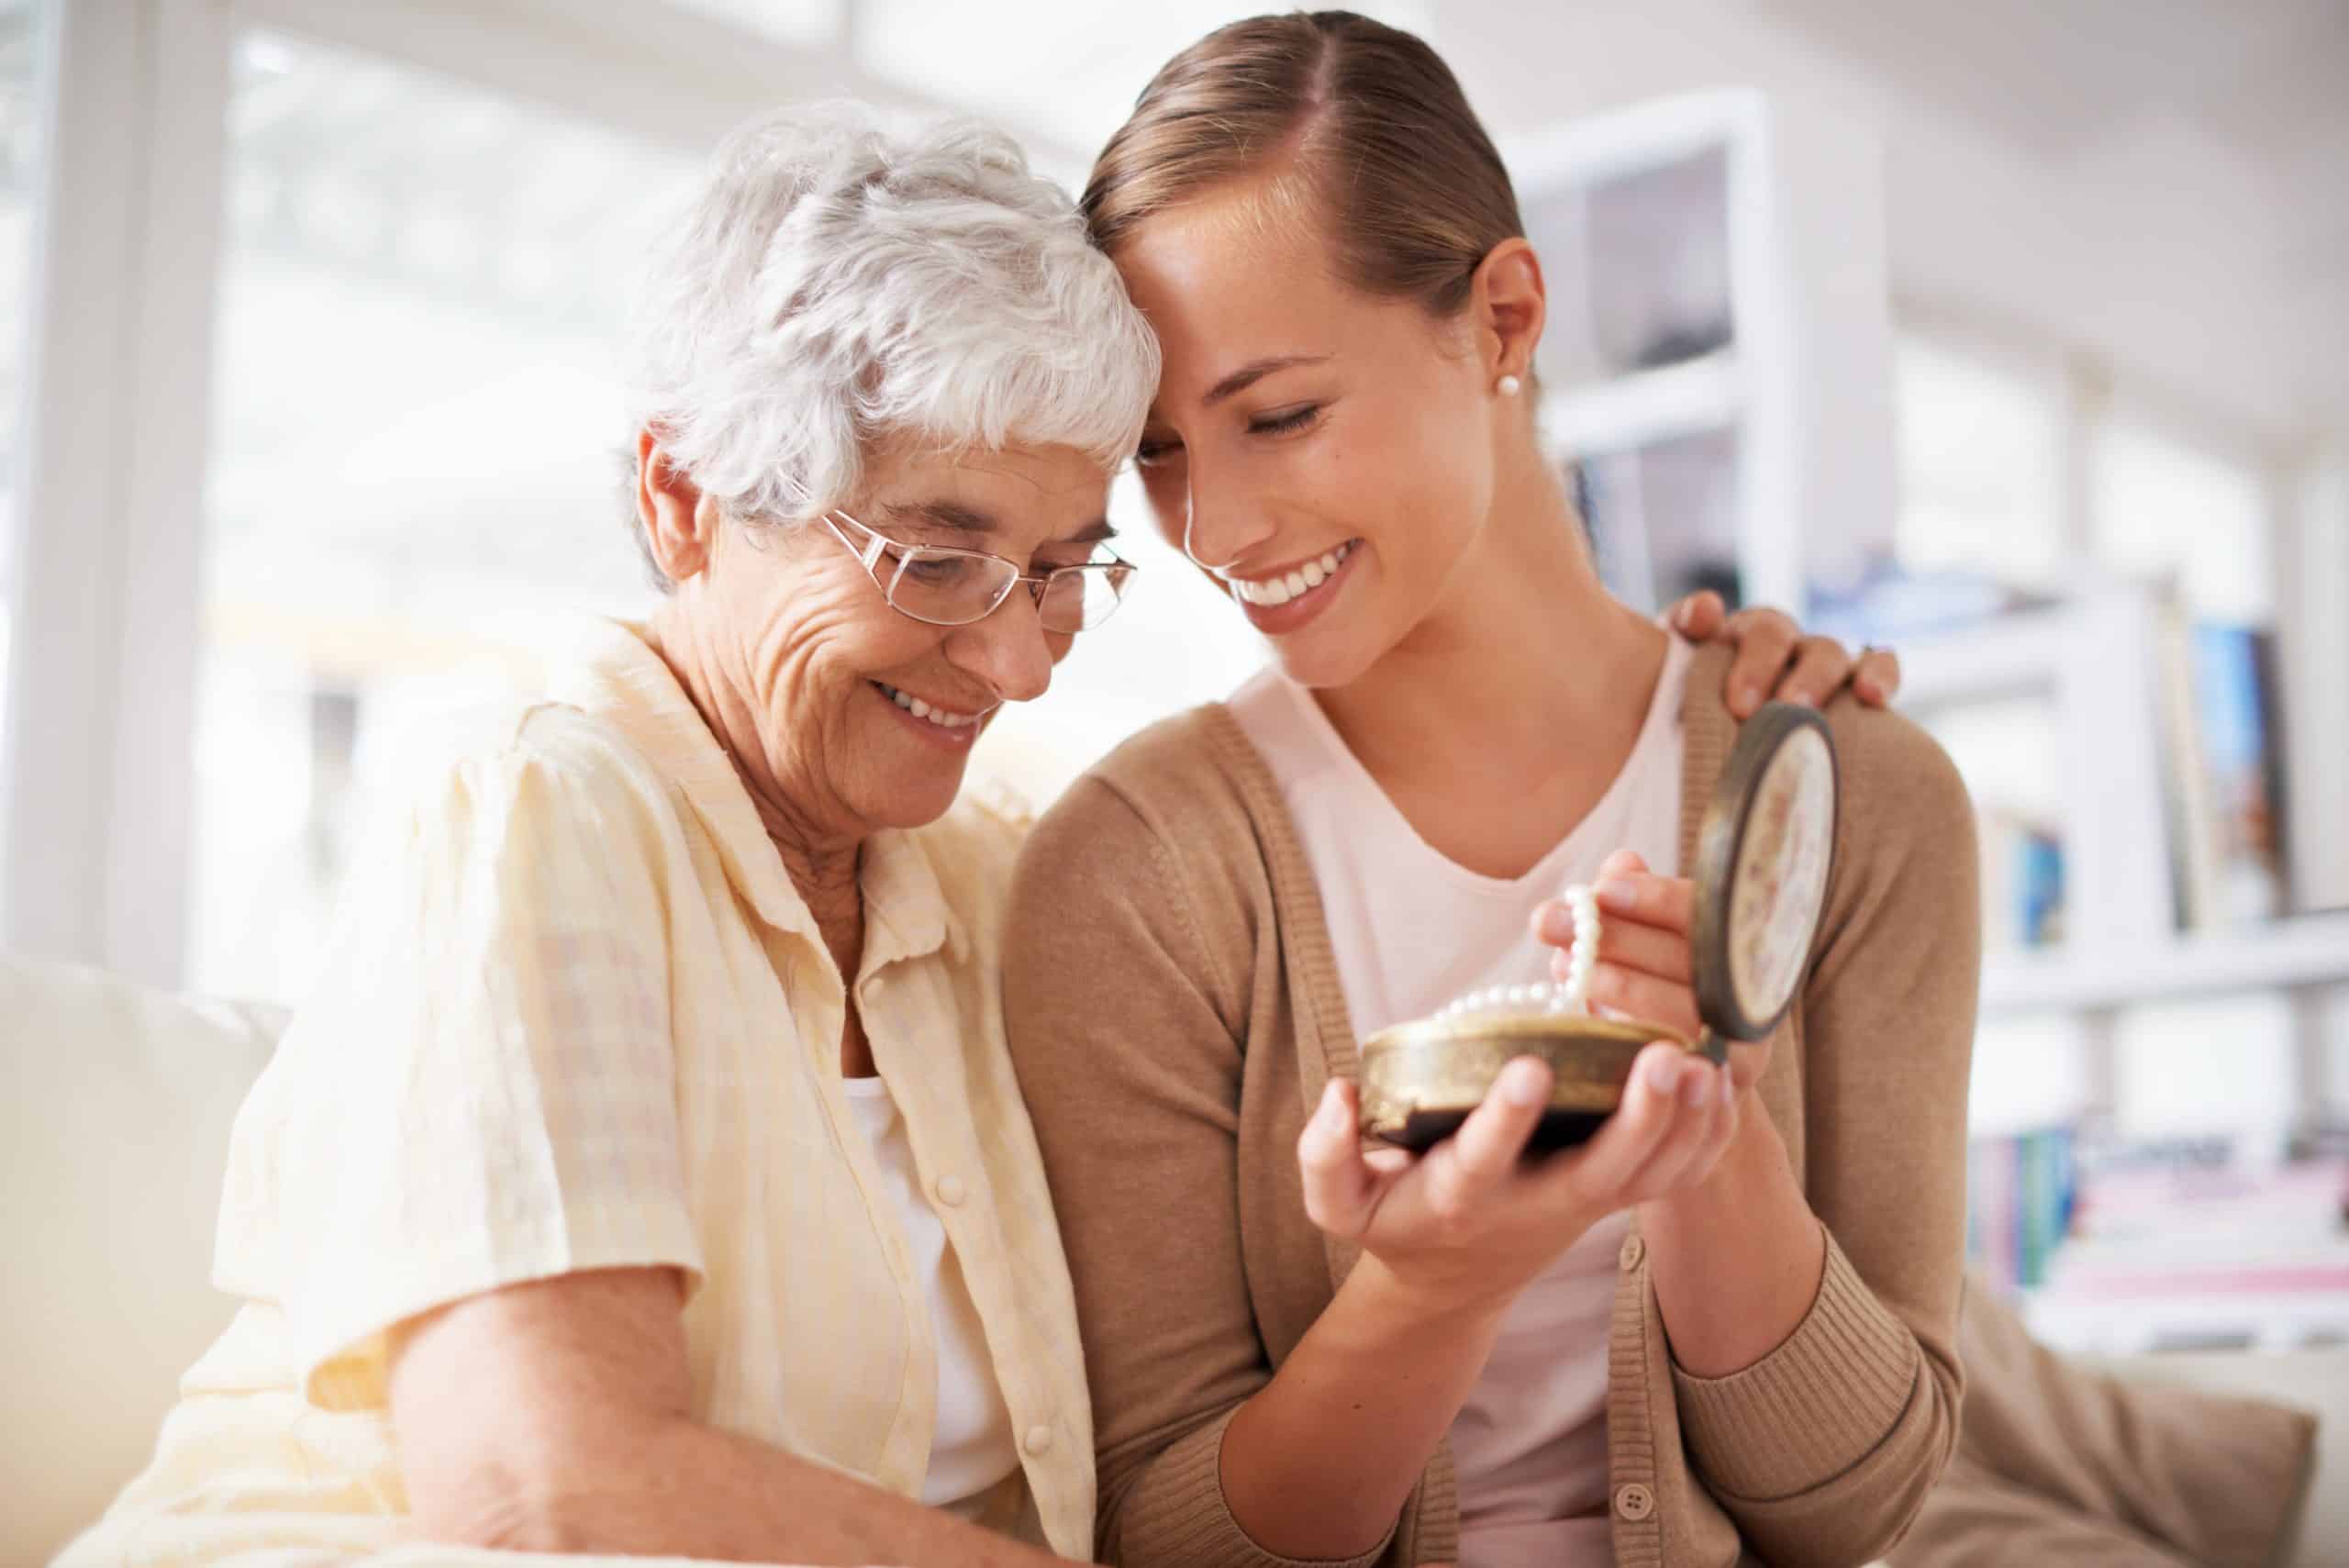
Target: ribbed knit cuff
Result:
[[1177, 1514], [1813, 1408]]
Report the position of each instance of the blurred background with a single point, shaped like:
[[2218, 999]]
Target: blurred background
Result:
[[2014, 335]]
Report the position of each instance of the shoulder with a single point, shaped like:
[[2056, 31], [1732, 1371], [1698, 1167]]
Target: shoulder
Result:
[[1905, 837], [501, 767], [1175, 782], [1895, 779], [1168, 827]]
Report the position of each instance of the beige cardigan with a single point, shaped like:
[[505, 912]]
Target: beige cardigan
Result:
[[1174, 1010]]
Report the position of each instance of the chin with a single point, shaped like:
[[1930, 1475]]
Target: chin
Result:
[[911, 801], [1326, 658]]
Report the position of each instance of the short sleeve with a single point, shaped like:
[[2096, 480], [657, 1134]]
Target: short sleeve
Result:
[[481, 1089]]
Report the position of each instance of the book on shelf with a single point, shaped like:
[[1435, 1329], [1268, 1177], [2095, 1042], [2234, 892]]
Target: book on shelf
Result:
[[2215, 1232], [2222, 771], [2022, 881], [2019, 1192]]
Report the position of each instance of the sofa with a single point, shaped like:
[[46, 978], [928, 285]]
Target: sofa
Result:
[[116, 1125]]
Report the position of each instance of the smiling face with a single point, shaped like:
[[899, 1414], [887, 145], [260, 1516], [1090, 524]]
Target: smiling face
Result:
[[844, 713], [1330, 453]]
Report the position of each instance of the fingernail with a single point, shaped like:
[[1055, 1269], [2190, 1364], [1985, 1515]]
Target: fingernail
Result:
[[1800, 699], [1618, 896], [1748, 698], [1696, 1090], [1521, 1083], [1333, 1110], [1663, 1074], [1729, 1087], [1557, 926]]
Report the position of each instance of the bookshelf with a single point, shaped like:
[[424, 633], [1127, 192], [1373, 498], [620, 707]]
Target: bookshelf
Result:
[[1717, 356], [2302, 949], [1718, 372]]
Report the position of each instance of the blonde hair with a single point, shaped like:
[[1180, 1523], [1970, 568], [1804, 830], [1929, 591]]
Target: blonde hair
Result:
[[1366, 117]]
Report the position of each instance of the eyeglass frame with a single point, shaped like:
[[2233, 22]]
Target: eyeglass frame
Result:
[[870, 559]]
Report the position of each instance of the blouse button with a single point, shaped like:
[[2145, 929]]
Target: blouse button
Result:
[[951, 1191], [1634, 1502], [1039, 1440], [1633, 1250]]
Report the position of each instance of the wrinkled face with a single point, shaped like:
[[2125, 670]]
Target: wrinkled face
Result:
[[865, 716], [1328, 454]]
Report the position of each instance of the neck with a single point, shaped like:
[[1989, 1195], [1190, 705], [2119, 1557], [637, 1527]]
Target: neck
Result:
[[821, 861], [1524, 646]]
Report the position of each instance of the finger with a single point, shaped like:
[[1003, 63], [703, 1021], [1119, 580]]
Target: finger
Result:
[[1664, 903], [1484, 1153], [1877, 679], [1664, 1003], [1765, 640], [1622, 862], [1340, 1189], [1821, 665], [1594, 1175], [1747, 1062], [1699, 617], [1651, 950], [1701, 1096]]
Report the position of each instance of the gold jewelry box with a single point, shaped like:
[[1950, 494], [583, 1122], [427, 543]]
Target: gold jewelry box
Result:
[[1765, 852]]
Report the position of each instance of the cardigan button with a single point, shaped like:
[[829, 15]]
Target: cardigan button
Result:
[[951, 1191], [1633, 1250], [1039, 1440], [1634, 1502]]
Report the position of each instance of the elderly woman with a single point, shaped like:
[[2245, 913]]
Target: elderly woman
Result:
[[646, 1173]]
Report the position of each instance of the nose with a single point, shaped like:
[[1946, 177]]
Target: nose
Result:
[[1007, 649], [1222, 528]]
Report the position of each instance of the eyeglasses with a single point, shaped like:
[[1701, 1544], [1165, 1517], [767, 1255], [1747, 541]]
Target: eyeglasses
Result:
[[939, 586]]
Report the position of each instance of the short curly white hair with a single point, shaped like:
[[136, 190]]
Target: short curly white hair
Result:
[[835, 283]]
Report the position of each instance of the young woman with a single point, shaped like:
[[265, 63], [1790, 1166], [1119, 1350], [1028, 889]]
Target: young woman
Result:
[[1720, 1332]]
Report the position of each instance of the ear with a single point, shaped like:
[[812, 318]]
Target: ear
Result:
[[679, 522], [1511, 304]]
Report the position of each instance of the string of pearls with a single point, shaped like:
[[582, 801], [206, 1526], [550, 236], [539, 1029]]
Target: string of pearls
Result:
[[1570, 996]]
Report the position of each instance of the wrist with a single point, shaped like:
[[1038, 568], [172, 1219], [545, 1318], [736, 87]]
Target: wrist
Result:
[[1411, 1301], [1739, 1184]]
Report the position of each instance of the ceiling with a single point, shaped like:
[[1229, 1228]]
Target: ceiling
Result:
[[2214, 126]]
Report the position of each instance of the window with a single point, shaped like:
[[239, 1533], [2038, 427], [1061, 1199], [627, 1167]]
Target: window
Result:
[[23, 26], [416, 451]]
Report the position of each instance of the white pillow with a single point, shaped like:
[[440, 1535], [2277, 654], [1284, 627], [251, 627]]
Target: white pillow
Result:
[[115, 1114]]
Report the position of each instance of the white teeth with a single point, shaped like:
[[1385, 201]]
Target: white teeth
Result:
[[1304, 580], [922, 709]]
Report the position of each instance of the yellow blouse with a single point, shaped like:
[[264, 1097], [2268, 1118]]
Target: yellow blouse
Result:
[[574, 1015]]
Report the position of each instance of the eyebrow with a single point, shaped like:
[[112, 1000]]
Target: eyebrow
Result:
[[954, 516], [1249, 374]]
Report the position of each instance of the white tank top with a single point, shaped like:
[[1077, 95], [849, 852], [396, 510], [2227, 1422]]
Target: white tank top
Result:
[[1412, 929], [973, 1451]]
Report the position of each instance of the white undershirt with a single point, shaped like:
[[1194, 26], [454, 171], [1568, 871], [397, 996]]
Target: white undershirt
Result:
[[1410, 930], [971, 1450]]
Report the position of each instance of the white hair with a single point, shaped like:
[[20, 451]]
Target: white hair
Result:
[[834, 285]]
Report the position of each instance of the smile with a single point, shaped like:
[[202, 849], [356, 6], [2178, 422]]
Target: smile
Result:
[[1292, 584], [937, 716]]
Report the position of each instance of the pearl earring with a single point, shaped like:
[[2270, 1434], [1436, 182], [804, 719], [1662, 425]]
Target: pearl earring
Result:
[[1510, 386]]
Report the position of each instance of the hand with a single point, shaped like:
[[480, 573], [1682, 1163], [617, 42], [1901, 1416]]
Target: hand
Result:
[[1772, 648], [1467, 1223], [1645, 971]]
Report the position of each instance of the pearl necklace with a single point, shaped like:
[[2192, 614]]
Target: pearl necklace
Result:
[[1571, 997]]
